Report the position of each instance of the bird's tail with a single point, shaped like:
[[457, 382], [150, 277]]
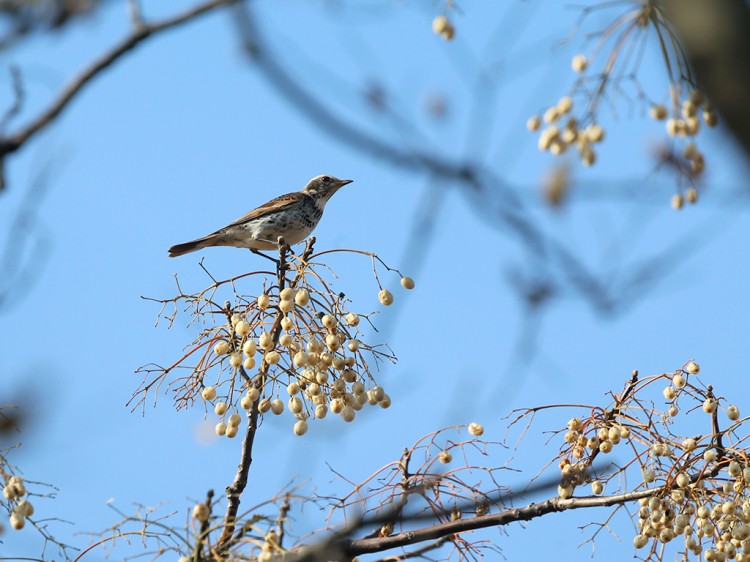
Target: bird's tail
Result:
[[192, 246]]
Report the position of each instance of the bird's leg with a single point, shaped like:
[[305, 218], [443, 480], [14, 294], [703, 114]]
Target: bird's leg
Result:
[[259, 253]]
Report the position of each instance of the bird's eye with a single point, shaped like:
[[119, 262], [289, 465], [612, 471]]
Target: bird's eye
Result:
[[326, 178]]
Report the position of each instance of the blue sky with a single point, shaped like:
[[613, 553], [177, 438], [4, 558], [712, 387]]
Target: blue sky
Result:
[[183, 135]]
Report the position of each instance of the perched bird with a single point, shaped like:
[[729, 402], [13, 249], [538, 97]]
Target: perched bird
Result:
[[293, 216]]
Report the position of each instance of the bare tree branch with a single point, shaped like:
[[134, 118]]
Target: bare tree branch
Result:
[[141, 32]]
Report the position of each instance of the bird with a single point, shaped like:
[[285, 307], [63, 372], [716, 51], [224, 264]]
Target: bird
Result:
[[292, 216]]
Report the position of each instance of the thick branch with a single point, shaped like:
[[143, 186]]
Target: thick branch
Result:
[[237, 487], [141, 31], [532, 511]]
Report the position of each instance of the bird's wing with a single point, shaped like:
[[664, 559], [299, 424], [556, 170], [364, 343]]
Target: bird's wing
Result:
[[273, 206]]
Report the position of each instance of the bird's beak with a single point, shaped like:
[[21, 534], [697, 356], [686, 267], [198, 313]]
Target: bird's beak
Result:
[[342, 183]]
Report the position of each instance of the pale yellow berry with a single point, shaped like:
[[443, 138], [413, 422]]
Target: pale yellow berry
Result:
[[246, 403], [300, 427], [697, 164], [445, 457], [551, 115], [24, 508], [669, 392], [17, 521], [677, 201], [688, 444], [678, 380], [232, 431], [407, 283], [302, 298], [234, 419], [597, 487], [235, 360], [272, 357], [648, 475], [221, 348], [639, 541], [569, 136], [249, 348], [265, 405], [565, 104], [353, 345], [287, 324], [286, 306], [675, 127], [673, 411], [691, 195], [286, 340], [579, 63], [588, 156], [295, 405], [440, 24], [200, 512], [314, 346], [683, 480], [209, 393], [337, 405], [300, 359], [564, 491], [710, 118], [352, 319], [692, 126], [220, 428], [693, 368], [332, 342], [575, 424], [248, 363], [709, 405], [220, 408], [733, 413], [321, 410], [624, 431], [287, 294], [277, 406], [658, 112], [348, 414], [734, 469], [533, 123], [547, 136], [710, 455], [293, 388], [253, 394], [385, 402], [263, 301], [689, 109], [605, 447], [385, 297], [242, 328], [594, 133], [266, 341], [475, 429], [328, 321], [571, 437]]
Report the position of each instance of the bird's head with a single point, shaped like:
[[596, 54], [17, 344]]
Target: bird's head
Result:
[[322, 187]]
